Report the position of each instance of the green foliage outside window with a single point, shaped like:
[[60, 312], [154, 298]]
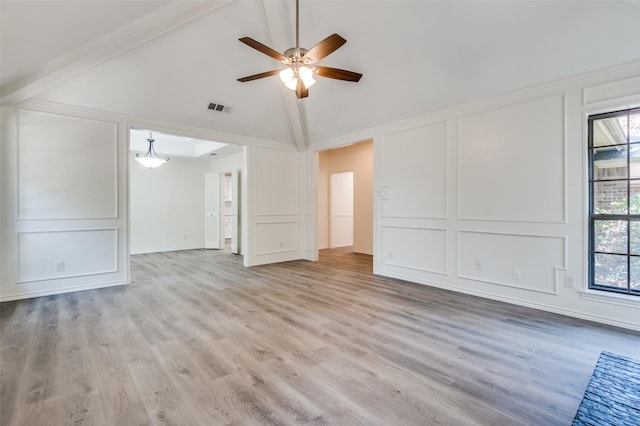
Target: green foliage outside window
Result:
[[614, 155]]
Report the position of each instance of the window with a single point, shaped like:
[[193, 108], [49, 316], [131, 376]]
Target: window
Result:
[[614, 202]]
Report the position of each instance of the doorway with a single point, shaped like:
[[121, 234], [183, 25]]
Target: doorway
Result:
[[170, 206], [214, 210], [231, 188], [222, 211], [353, 163]]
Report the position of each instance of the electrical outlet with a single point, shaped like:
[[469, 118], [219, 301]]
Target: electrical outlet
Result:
[[515, 273], [281, 244], [390, 255], [569, 282], [60, 266], [185, 236], [477, 265]]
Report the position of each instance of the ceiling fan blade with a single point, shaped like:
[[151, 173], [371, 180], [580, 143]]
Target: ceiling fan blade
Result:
[[323, 49], [257, 76], [262, 48], [301, 90], [337, 73]]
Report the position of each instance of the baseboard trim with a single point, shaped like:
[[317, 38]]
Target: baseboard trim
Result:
[[363, 251], [31, 295], [168, 249], [541, 307]]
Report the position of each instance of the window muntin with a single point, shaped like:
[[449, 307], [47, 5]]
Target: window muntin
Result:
[[614, 207]]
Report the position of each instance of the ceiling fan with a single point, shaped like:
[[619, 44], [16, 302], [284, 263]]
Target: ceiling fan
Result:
[[298, 75]]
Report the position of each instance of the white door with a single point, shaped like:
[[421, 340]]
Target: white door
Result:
[[214, 202], [235, 209], [341, 209]]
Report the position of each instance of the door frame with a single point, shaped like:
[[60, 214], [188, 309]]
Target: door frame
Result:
[[219, 223]]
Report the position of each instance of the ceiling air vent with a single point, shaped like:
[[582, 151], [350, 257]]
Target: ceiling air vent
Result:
[[219, 107]]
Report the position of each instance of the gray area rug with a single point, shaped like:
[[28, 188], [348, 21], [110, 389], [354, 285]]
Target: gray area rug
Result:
[[613, 394]]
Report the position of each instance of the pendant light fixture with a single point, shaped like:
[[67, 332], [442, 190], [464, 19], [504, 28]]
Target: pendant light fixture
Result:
[[151, 159]]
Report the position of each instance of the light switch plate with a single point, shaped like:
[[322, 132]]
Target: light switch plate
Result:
[[383, 193]]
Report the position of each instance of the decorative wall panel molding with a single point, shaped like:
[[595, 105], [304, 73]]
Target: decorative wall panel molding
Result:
[[272, 238], [276, 179], [413, 172], [422, 249], [67, 167], [512, 163], [528, 262], [51, 255]]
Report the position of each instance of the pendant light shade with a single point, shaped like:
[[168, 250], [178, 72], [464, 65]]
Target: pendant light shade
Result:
[[292, 84], [151, 159], [306, 75], [286, 75], [290, 77]]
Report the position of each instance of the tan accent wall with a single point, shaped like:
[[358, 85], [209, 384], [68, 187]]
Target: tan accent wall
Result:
[[359, 159]]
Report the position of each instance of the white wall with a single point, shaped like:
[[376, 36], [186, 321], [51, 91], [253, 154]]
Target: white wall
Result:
[[167, 205], [227, 163], [64, 202], [274, 204], [490, 198]]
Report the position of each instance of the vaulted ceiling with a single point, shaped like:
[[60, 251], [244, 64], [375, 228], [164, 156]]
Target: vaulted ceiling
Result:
[[167, 60]]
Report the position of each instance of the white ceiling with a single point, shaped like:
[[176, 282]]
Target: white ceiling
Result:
[[167, 60]]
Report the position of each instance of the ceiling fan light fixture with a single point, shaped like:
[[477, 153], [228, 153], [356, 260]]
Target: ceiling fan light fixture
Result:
[[286, 75], [292, 84], [298, 76], [308, 82], [306, 75]]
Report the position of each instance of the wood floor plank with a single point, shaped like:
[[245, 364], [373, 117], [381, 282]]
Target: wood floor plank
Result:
[[198, 339], [77, 399], [196, 389], [162, 400], [272, 392], [119, 396], [337, 408], [40, 374], [19, 324]]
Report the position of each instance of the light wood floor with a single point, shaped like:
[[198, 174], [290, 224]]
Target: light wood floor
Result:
[[199, 340]]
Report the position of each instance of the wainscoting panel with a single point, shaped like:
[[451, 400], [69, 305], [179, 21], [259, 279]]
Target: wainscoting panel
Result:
[[421, 249], [271, 238], [414, 172], [529, 262], [276, 182], [67, 167], [509, 168], [53, 255]]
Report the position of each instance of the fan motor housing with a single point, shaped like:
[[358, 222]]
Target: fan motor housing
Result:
[[294, 54]]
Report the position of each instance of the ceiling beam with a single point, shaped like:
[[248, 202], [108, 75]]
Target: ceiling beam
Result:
[[279, 28], [165, 19]]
